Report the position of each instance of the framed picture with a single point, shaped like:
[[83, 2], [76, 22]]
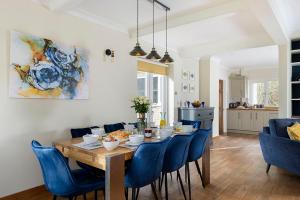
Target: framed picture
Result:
[[191, 88], [43, 68], [185, 87], [185, 74], [192, 76]]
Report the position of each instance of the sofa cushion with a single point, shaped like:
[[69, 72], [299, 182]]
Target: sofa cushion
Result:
[[278, 127], [294, 131]]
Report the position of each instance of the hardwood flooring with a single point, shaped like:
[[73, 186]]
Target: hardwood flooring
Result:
[[237, 173]]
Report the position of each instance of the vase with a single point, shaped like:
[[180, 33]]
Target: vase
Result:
[[141, 123]]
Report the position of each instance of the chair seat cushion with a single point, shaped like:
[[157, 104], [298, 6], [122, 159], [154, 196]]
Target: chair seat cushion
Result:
[[294, 131], [88, 182]]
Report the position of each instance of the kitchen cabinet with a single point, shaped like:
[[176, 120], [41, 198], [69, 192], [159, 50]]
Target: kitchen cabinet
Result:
[[238, 87], [249, 120]]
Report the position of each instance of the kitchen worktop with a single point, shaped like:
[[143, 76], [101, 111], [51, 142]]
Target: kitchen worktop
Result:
[[254, 109]]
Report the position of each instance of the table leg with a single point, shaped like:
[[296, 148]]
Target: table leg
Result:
[[114, 177], [206, 163]]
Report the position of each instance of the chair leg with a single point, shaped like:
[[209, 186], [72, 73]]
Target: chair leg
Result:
[[154, 191], [137, 194], [181, 185], [54, 197], [96, 195], [166, 186], [268, 168], [70, 198], [185, 173], [189, 180], [133, 194], [84, 196], [126, 193], [200, 174], [171, 176], [161, 182]]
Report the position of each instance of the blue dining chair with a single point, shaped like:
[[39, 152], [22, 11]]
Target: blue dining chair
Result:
[[77, 133], [59, 179], [145, 167], [175, 158], [196, 150], [196, 124], [113, 127]]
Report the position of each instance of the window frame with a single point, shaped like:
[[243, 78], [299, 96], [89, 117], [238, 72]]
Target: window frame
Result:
[[266, 91]]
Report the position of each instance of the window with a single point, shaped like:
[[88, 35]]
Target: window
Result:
[[154, 87], [265, 92]]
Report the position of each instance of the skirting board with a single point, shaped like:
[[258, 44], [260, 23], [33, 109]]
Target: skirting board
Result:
[[244, 132]]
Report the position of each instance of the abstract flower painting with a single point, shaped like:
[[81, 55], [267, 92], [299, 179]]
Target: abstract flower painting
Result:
[[42, 68]]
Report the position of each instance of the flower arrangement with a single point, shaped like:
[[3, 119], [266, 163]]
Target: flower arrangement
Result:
[[141, 104]]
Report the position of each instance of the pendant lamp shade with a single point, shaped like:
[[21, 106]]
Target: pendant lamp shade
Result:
[[153, 55], [167, 58], [137, 50]]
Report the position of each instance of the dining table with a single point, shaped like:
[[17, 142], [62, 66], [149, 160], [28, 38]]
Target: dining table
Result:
[[113, 163]]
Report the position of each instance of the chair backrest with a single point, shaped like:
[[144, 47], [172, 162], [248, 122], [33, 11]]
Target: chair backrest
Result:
[[56, 172], [197, 145], [146, 164], [79, 132], [196, 124], [278, 127], [113, 127], [177, 152]]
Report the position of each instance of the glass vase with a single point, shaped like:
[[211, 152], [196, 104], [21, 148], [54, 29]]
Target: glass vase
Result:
[[141, 123]]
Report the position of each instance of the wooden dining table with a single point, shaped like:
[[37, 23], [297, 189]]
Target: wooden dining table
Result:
[[113, 163]]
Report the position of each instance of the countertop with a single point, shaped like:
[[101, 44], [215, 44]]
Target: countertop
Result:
[[256, 109]]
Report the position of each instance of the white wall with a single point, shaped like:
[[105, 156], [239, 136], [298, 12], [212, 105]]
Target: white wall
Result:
[[210, 72], [21, 120]]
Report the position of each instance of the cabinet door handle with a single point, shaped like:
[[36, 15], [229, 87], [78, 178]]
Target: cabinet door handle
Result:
[[256, 116]]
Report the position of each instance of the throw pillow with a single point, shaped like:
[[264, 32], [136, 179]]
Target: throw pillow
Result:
[[294, 131]]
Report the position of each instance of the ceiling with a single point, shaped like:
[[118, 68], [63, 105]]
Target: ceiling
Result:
[[199, 27], [262, 57]]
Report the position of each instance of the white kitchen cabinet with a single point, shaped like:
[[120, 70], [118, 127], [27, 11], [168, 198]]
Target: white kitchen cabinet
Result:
[[233, 119], [238, 87], [249, 120]]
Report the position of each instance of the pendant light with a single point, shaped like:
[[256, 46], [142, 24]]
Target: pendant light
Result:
[[167, 58], [153, 55], [137, 51]]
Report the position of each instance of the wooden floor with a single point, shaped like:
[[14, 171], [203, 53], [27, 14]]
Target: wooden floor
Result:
[[238, 173]]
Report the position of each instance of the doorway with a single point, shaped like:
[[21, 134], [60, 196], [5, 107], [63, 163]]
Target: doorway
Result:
[[221, 107]]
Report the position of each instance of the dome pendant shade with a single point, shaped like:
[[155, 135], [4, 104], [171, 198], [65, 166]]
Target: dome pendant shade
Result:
[[138, 51], [153, 55], [166, 59]]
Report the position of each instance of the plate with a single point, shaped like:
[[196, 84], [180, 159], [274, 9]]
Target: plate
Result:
[[132, 144]]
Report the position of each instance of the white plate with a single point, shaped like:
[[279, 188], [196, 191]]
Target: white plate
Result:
[[132, 144]]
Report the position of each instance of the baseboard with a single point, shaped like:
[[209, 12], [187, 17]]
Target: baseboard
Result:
[[243, 132], [26, 194]]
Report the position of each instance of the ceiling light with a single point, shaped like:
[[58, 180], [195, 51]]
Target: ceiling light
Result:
[[153, 55], [137, 50], [167, 58]]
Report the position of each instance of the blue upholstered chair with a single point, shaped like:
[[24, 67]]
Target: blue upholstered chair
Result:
[[277, 148], [145, 167], [196, 150], [113, 127], [175, 158], [79, 132], [196, 124], [59, 179]]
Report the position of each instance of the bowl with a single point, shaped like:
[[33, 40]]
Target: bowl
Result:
[[109, 146], [196, 104], [164, 133], [90, 138], [187, 128], [136, 139]]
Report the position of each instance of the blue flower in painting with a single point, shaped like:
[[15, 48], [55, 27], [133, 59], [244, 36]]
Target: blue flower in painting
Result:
[[45, 76], [60, 58]]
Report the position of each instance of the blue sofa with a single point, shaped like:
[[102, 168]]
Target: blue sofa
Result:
[[277, 148]]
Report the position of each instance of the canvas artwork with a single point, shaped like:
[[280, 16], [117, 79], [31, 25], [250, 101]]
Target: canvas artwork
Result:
[[192, 88], [184, 87], [42, 68], [185, 74]]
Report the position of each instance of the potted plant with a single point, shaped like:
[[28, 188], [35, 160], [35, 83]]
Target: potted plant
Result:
[[141, 104]]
